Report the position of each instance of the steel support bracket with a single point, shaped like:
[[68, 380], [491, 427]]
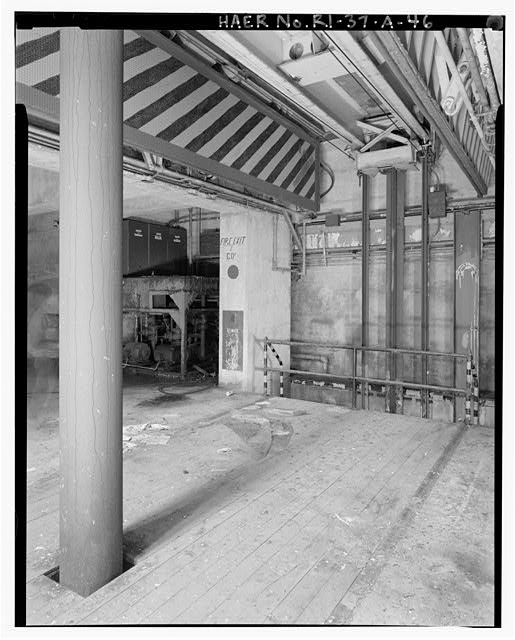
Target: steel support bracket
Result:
[[293, 231]]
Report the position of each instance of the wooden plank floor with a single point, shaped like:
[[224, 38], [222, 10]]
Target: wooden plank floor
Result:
[[291, 513]]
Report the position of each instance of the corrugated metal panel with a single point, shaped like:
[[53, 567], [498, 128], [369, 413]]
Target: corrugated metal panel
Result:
[[171, 101]]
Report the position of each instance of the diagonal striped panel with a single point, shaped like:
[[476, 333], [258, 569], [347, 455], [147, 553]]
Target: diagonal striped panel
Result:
[[168, 99]]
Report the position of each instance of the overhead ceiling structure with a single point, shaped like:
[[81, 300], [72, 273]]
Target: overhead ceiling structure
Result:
[[179, 107], [386, 87], [243, 112]]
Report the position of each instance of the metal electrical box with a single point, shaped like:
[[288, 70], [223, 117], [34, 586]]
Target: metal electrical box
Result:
[[151, 248], [177, 252], [135, 247], [436, 204], [157, 245]]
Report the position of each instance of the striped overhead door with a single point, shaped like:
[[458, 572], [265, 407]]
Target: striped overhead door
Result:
[[180, 108]]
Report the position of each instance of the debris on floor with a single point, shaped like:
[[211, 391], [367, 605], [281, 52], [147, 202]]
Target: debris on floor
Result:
[[135, 429], [127, 446], [250, 418], [203, 371], [149, 438], [287, 412], [224, 450], [147, 433]]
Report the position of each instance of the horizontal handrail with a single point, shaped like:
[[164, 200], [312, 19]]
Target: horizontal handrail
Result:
[[391, 383], [368, 348], [365, 380]]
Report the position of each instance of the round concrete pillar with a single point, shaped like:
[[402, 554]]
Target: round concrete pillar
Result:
[[90, 308]]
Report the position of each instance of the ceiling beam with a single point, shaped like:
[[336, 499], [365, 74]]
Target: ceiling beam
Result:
[[384, 134], [312, 68], [355, 58], [474, 69], [400, 62], [381, 132], [345, 96], [280, 81], [456, 75]]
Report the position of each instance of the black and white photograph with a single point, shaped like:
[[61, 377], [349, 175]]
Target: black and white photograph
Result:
[[259, 259]]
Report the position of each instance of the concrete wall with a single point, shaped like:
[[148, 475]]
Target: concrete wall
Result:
[[487, 320], [259, 289], [43, 285], [326, 302], [326, 307], [43, 246], [42, 308], [43, 190]]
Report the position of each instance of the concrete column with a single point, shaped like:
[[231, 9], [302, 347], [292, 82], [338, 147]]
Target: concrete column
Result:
[[90, 308], [255, 296]]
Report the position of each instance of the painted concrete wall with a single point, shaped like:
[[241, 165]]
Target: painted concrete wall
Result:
[[43, 190], [42, 309], [43, 286], [321, 300], [345, 196], [487, 320], [326, 307], [252, 284], [43, 246]]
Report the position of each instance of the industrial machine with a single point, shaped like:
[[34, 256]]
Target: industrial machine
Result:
[[174, 317]]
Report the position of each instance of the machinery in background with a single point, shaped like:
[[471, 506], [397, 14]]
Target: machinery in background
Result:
[[170, 317], [170, 321]]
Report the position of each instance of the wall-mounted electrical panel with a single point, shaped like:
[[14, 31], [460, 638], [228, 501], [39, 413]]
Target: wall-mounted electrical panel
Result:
[[151, 248]]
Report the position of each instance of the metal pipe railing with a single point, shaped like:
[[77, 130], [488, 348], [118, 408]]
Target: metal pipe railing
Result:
[[470, 392], [381, 381], [268, 344], [139, 366], [265, 368], [323, 345]]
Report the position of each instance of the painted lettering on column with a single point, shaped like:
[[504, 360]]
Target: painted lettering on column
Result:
[[230, 244], [230, 251]]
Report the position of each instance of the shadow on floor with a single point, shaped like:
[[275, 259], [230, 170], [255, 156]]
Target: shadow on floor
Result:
[[170, 519]]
